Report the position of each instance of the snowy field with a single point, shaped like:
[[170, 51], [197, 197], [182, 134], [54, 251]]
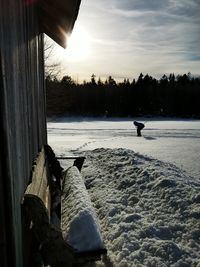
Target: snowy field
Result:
[[172, 141], [146, 190]]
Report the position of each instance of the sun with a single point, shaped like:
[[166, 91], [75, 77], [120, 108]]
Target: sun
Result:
[[78, 44]]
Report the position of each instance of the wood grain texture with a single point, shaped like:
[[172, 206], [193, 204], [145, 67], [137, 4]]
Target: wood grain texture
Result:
[[39, 185], [54, 250], [23, 112]]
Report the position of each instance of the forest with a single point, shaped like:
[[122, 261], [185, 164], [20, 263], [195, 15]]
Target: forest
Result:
[[174, 96]]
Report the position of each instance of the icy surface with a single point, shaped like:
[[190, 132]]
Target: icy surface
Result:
[[79, 222], [148, 203], [175, 141]]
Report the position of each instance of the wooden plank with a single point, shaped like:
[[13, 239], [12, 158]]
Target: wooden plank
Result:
[[22, 95], [4, 224], [39, 185], [36, 208], [54, 250]]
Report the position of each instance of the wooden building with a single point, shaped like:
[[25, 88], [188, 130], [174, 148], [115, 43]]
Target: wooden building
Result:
[[22, 104]]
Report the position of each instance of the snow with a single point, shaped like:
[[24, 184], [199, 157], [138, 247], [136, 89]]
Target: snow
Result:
[[146, 190], [175, 141], [79, 222], [149, 210]]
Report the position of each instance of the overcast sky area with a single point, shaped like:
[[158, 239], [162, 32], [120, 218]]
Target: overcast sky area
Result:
[[126, 37]]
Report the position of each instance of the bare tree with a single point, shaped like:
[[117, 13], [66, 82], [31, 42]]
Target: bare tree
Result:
[[51, 62]]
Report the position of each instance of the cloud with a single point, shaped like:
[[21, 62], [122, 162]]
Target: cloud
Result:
[[140, 4], [133, 36]]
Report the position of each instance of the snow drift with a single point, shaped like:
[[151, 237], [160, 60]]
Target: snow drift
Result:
[[79, 222], [149, 210]]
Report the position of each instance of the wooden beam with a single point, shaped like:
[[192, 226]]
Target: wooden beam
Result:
[[39, 185], [36, 207], [54, 250], [78, 161]]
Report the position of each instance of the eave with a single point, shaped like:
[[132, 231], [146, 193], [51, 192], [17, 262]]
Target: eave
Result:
[[57, 18]]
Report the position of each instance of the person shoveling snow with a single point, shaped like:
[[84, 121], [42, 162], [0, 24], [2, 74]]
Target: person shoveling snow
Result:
[[139, 127]]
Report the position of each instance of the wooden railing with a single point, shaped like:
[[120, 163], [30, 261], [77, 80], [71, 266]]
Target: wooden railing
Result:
[[39, 206]]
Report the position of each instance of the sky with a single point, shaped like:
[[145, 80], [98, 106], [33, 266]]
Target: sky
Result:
[[123, 38]]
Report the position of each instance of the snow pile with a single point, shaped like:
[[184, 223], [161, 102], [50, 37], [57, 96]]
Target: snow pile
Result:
[[149, 210], [79, 222]]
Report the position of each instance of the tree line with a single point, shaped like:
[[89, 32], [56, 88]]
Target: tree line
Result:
[[168, 96]]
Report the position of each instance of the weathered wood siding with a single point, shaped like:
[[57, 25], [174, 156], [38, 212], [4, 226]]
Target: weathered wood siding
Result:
[[22, 117]]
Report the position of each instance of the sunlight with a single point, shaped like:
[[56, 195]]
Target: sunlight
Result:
[[78, 47]]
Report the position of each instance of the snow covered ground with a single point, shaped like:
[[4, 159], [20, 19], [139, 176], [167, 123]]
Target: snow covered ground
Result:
[[175, 141], [146, 190]]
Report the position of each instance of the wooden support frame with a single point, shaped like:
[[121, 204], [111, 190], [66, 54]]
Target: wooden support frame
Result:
[[39, 185], [37, 205], [78, 161], [53, 249]]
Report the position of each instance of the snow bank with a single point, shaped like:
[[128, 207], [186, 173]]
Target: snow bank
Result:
[[149, 210], [79, 222]]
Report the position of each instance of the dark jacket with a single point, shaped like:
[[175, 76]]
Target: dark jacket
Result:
[[138, 125]]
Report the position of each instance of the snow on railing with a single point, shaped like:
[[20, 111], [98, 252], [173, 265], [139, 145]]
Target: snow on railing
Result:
[[79, 222]]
